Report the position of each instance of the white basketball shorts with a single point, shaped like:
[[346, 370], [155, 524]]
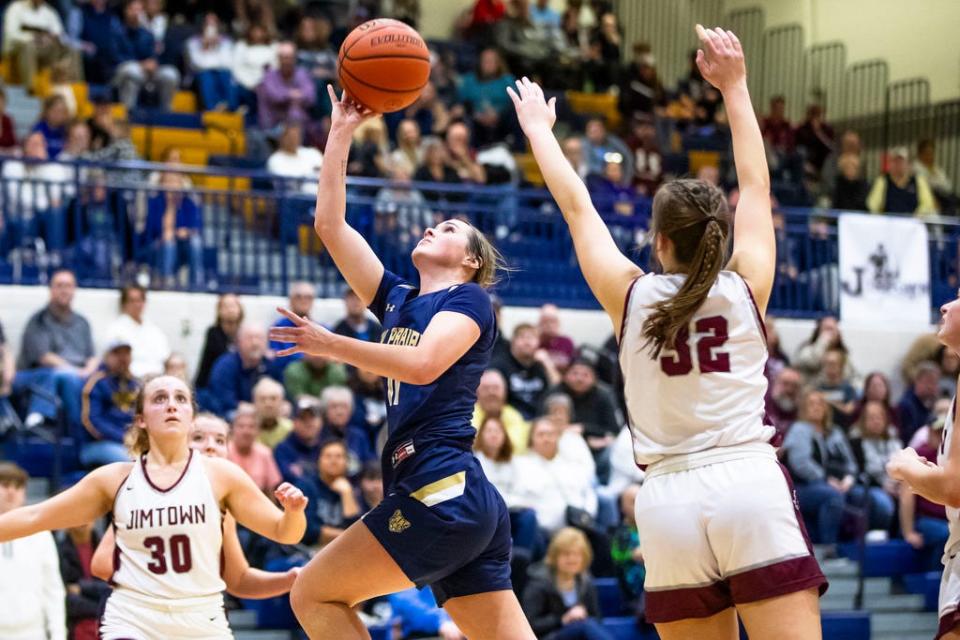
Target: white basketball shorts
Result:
[[129, 616]]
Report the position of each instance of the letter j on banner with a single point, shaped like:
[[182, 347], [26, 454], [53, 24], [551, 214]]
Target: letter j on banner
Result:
[[884, 272]]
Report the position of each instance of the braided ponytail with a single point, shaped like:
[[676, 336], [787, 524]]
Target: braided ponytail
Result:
[[692, 214]]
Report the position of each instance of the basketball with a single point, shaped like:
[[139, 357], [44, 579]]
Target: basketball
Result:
[[384, 65]]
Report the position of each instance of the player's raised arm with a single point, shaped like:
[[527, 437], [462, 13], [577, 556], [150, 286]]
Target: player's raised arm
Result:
[[354, 258], [253, 510], [607, 271], [754, 247]]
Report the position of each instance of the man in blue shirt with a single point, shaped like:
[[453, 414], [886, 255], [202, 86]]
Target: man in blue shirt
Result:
[[297, 455], [916, 404], [302, 295], [333, 505], [106, 408], [235, 373], [136, 55]]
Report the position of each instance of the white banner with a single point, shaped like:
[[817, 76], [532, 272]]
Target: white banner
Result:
[[884, 272]]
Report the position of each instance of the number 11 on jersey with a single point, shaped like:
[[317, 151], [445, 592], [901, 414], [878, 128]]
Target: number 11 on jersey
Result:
[[393, 392]]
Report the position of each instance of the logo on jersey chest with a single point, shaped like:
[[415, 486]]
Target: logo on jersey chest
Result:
[[402, 336], [167, 516], [397, 523]]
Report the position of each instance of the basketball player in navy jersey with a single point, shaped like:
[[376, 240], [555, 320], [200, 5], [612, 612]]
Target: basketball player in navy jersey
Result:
[[441, 523]]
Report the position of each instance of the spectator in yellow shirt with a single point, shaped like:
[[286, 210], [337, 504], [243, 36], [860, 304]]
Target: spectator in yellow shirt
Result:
[[900, 190], [492, 401]]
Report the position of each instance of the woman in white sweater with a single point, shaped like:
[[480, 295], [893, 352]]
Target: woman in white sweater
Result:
[[252, 56]]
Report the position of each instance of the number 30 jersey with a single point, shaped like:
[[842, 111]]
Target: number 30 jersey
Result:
[[708, 390], [169, 540]]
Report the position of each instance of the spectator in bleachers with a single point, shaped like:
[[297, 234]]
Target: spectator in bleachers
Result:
[[149, 342], [851, 190], [337, 403], [492, 402], [561, 600], [822, 467], [34, 198], [56, 354], [370, 407], [77, 144], [102, 125], [33, 36], [286, 93], [814, 139], [91, 27], [84, 591], [461, 154], [370, 150], [8, 132], [173, 230], [155, 19], [599, 146], [777, 360], [332, 504], [252, 57], [176, 365], [483, 19], [294, 161], [602, 61], [420, 617], [316, 55], [527, 49], [301, 298], [559, 347], [777, 130], [501, 346], [594, 410], [107, 407], [916, 403], [220, 336], [873, 440], [484, 94], [370, 489], [544, 16], [552, 481], [138, 65], [623, 468], [849, 145], [297, 454], [8, 370], [625, 549], [53, 124], [311, 375], [573, 152], [836, 387], [409, 151], [616, 198], [430, 112], [31, 587], [245, 450], [647, 159], [272, 410], [402, 209], [876, 388], [941, 409], [899, 190], [826, 335], [924, 523], [783, 401], [437, 167], [61, 87], [209, 58], [357, 323], [235, 373], [558, 408], [926, 167], [528, 369], [949, 362]]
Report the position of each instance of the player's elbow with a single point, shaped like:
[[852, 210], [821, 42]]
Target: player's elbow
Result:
[[951, 495]]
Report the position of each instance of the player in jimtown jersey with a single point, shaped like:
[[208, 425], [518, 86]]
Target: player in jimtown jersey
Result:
[[167, 510], [940, 483], [441, 523], [718, 528]]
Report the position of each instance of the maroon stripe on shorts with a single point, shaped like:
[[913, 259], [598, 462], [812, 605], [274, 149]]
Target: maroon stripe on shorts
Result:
[[777, 579], [671, 605], [948, 623]]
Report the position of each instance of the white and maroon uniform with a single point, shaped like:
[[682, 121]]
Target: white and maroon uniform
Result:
[[950, 580], [716, 515], [167, 565]]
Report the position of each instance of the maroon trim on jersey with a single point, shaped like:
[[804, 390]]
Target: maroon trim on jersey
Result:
[[756, 309], [671, 605], [948, 623], [113, 508], [186, 467]]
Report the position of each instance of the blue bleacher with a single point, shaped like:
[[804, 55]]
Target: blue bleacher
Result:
[[884, 559], [926, 584]]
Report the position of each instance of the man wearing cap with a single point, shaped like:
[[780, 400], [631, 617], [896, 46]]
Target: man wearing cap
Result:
[[107, 406], [297, 454], [899, 190]]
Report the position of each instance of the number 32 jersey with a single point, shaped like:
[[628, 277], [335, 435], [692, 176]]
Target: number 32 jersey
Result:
[[169, 540], [706, 392]]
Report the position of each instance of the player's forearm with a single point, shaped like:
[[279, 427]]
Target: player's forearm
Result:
[[748, 152], [908, 503], [404, 363], [332, 193], [256, 584], [564, 184], [933, 483], [19, 523], [290, 528]]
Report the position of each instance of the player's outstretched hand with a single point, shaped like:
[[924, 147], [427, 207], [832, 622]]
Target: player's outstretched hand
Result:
[[532, 109], [305, 336], [720, 58], [903, 460], [290, 498], [346, 112]]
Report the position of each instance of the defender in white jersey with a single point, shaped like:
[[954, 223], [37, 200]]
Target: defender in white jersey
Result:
[[940, 483], [167, 508], [718, 524]]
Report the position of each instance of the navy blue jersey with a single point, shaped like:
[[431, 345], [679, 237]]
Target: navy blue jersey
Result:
[[421, 417]]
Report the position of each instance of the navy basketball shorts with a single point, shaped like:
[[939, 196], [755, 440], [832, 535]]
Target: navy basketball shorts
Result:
[[451, 532]]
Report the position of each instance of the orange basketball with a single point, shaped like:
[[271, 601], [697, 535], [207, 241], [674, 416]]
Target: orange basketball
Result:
[[384, 65]]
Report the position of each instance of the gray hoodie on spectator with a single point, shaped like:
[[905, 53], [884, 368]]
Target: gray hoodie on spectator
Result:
[[813, 457]]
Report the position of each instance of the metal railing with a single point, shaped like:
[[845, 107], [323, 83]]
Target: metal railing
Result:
[[258, 236]]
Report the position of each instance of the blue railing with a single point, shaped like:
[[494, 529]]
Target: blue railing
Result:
[[255, 234]]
